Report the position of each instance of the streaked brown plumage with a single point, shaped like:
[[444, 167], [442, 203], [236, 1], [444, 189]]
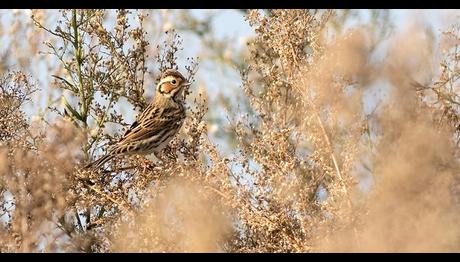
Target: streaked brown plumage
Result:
[[157, 125]]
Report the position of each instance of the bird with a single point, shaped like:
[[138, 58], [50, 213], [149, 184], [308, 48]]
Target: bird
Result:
[[157, 124]]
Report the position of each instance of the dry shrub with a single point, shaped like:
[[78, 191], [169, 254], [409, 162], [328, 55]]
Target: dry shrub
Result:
[[412, 206], [334, 135], [15, 91], [37, 180], [182, 217], [303, 144], [33, 172], [83, 209]]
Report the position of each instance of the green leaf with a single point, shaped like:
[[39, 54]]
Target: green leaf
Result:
[[71, 109], [65, 82]]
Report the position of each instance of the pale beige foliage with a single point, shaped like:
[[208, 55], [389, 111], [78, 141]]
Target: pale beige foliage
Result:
[[184, 217], [303, 140]]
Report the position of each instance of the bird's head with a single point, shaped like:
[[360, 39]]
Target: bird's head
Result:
[[172, 84]]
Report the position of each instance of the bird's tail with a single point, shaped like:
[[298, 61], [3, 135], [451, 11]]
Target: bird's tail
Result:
[[99, 162]]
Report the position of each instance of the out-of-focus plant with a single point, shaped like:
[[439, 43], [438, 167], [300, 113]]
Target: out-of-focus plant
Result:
[[299, 130]]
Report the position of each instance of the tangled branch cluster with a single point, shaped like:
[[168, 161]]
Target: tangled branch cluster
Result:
[[303, 146]]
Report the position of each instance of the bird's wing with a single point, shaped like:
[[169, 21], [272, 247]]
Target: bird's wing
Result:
[[144, 130], [130, 129], [150, 112]]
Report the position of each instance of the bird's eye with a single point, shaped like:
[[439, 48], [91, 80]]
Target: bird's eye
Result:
[[174, 82]]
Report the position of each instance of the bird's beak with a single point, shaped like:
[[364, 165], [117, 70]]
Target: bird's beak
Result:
[[186, 84]]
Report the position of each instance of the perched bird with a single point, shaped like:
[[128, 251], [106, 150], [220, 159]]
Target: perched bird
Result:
[[157, 124]]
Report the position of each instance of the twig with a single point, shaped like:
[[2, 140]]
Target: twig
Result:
[[118, 169], [92, 187], [217, 191], [326, 138], [323, 130]]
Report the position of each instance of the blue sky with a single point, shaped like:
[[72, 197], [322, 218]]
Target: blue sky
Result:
[[230, 24]]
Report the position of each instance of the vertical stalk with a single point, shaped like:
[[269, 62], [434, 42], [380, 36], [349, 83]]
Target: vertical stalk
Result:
[[315, 112], [85, 96], [79, 60]]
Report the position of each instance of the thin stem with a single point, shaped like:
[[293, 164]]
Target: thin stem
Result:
[[79, 60], [326, 138], [324, 132]]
